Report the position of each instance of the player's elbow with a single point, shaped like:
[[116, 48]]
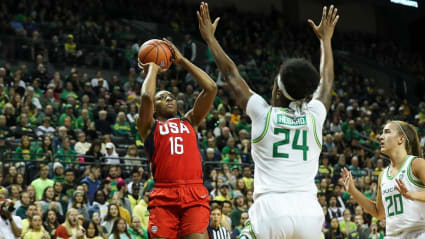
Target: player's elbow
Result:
[[146, 97], [212, 88]]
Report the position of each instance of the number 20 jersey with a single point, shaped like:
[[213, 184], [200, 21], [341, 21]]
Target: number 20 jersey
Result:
[[285, 149], [172, 148], [402, 214]]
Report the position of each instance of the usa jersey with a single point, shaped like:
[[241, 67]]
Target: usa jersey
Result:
[[402, 214], [172, 148], [285, 149]]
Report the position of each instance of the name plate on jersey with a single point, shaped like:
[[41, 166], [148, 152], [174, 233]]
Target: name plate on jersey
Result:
[[285, 120]]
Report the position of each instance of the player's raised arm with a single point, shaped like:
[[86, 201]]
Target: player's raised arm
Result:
[[227, 67], [209, 88], [324, 32], [147, 95], [376, 208]]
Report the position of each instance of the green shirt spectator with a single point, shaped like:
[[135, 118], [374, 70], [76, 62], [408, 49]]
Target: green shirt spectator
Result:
[[42, 182], [121, 127], [68, 113], [136, 230]]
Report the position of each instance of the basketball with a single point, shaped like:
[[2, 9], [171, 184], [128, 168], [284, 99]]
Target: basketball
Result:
[[156, 51]]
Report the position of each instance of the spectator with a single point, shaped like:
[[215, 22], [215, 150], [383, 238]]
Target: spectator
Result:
[[70, 228], [100, 202], [189, 48], [45, 151], [237, 230], [10, 225], [70, 49], [45, 129], [122, 202], [214, 229], [111, 157], [93, 181], [355, 169], [334, 231], [92, 232], [68, 185], [134, 197], [136, 230], [67, 154], [36, 229], [247, 177], [334, 210], [226, 222], [22, 209], [362, 231], [346, 225], [136, 178], [79, 203], [375, 233], [103, 125], [119, 230], [82, 146], [48, 201], [112, 215], [141, 209], [51, 222], [42, 182], [224, 193], [31, 211], [121, 126]]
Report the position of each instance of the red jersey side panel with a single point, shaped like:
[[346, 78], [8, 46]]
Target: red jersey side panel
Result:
[[174, 152]]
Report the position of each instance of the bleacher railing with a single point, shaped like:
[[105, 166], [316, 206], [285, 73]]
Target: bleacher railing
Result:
[[11, 157]]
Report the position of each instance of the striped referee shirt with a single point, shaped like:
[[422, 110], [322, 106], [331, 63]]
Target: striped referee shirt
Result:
[[219, 233]]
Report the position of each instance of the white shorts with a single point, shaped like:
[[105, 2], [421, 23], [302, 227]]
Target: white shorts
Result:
[[284, 216], [409, 235]]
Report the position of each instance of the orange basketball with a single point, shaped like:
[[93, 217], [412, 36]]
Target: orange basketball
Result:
[[156, 51]]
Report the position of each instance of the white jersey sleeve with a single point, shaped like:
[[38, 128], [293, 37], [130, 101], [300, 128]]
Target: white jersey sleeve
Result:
[[319, 110], [257, 109]]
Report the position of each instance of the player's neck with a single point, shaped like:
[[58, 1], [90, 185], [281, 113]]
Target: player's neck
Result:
[[162, 118], [397, 158], [281, 102]]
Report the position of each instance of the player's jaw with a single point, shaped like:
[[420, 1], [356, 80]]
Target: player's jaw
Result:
[[166, 109]]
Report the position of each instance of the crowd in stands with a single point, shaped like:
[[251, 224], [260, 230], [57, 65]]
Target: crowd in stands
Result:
[[73, 162]]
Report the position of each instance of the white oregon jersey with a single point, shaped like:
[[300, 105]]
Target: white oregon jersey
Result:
[[285, 150], [402, 214]]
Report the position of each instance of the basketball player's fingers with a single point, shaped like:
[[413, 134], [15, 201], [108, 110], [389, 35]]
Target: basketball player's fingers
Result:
[[329, 16], [199, 17], [312, 24], [324, 13], [216, 22], [334, 14], [336, 20], [207, 11]]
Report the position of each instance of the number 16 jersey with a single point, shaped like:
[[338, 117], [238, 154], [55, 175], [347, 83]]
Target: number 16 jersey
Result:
[[285, 148], [172, 148]]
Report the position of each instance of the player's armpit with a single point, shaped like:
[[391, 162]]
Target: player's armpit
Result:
[[380, 209]]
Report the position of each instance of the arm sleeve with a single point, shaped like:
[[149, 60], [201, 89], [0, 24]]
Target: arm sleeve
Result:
[[257, 109]]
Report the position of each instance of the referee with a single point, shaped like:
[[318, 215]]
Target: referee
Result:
[[214, 229]]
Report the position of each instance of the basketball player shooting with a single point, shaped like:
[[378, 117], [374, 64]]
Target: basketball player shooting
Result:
[[179, 203]]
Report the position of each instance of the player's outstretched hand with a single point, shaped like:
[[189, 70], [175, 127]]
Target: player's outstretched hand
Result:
[[348, 180], [150, 66], [206, 27], [177, 55], [326, 28], [401, 187]]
